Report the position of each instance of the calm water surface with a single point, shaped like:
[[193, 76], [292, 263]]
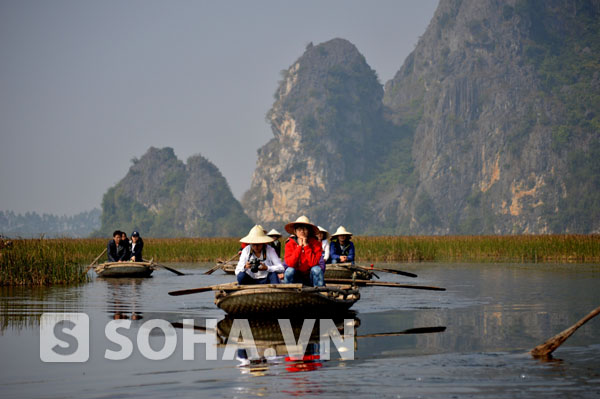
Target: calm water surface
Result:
[[492, 314]]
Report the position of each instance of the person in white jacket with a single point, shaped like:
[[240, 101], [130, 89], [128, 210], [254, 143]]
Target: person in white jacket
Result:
[[259, 263], [323, 235]]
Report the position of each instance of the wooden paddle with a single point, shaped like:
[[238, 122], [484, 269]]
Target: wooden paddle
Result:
[[94, 262], [232, 287], [379, 269], [381, 284], [220, 264], [418, 330], [545, 350], [177, 272]]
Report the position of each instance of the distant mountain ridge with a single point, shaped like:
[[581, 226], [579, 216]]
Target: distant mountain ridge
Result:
[[162, 197], [33, 225]]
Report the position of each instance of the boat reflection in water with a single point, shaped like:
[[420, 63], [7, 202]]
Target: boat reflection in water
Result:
[[307, 353], [123, 298]]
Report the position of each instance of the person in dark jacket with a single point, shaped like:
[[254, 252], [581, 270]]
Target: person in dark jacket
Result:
[[117, 252], [137, 245], [341, 248]]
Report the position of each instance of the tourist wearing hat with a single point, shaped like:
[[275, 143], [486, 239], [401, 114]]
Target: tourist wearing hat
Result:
[[323, 235], [303, 254], [341, 248], [276, 244], [259, 263], [137, 245]]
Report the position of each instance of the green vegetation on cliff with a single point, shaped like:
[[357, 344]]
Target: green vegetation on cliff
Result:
[[162, 197], [564, 52]]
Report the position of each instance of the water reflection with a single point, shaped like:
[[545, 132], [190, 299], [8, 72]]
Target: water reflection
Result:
[[21, 307], [124, 298]]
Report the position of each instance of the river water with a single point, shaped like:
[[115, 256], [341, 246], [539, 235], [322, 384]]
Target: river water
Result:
[[471, 340]]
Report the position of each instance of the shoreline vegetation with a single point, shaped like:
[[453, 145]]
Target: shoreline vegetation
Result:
[[64, 260]]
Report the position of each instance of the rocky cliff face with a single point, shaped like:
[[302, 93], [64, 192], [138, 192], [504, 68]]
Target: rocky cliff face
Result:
[[490, 126], [491, 151], [328, 108], [162, 197]]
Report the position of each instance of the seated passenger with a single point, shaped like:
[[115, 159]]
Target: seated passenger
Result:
[[137, 245], [323, 235], [258, 264], [341, 248], [303, 254], [116, 251], [276, 244]]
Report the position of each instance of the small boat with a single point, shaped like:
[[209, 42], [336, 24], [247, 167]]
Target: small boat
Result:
[[125, 269], [229, 268], [285, 299], [346, 270]]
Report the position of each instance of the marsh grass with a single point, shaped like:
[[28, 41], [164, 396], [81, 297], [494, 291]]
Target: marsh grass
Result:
[[524, 248], [62, 261]]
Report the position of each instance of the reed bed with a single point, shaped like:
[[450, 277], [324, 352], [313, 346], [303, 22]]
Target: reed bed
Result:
[[522, 248], [40, 262], [62, 261]]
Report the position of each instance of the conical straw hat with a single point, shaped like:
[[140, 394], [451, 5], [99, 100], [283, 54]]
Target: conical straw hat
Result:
[[325, 232], [341, 231], [274, 232], [257, 236], [291, 227]]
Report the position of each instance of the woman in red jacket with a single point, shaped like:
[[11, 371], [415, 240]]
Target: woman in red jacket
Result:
[[304, 254]]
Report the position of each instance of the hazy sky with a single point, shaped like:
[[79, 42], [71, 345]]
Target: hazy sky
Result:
[[85, 86]]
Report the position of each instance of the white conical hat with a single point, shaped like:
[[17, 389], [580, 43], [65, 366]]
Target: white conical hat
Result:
[[274, 232], [325, 232], [341, 231], [291, 227], [257, 236]]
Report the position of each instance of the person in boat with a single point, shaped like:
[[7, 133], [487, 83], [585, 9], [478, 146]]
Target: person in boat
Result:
[[303, 254], [244, 245], [259, 263], [137, 245], [323, 235], [116, 250], [127, 243], [276, 244], [341, 248]]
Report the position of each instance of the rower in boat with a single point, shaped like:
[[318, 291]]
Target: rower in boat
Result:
[[259, 263], [303, 254], [342, 249], [117, 251]]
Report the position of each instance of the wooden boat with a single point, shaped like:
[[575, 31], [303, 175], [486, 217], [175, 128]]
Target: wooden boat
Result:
[[229, 268], [342, 270], [284, 299], [125, 269], [346, 270]]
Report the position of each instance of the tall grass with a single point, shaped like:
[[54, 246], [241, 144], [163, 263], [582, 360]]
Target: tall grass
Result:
[[40, 262], [62, 261], [523, 248]]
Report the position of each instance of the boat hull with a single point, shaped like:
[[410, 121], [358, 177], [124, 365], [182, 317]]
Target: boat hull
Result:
[[124, 269], [271, 300]]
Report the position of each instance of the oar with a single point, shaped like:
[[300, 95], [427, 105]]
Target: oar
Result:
[[381, 284], [177, 272], [379, 269], [94, 262], [419, 330], [545, 350], [233, 287], [219, 265]]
